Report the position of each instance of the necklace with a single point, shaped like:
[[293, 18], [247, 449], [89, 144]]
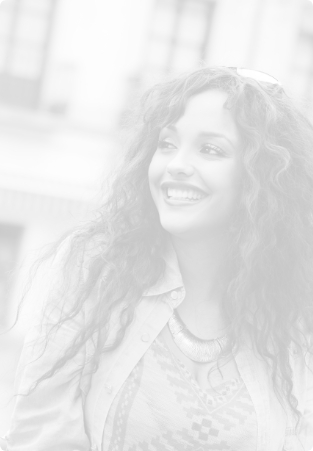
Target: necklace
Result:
[[198, 350]]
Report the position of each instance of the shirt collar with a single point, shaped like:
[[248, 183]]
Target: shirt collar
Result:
[[171, 278]]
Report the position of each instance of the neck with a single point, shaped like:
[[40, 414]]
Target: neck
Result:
[[201, 268], [201, 265]]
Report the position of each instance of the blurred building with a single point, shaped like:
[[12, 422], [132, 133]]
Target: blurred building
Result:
[[69, 69]]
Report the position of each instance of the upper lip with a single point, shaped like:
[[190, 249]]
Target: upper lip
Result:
[[181, 186]]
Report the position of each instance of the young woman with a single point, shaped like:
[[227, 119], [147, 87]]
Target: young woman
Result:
[[181, 318]]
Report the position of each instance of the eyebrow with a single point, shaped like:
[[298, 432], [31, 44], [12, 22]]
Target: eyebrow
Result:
[[205, 134]]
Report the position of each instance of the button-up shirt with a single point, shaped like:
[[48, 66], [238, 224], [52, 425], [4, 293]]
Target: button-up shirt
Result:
[[68, 411]]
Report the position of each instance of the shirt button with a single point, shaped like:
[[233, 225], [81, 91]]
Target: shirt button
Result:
[[174, 295], [94, 448], [109, 390], [145, 337]]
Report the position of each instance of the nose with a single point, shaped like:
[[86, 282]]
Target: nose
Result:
[[180, 165]]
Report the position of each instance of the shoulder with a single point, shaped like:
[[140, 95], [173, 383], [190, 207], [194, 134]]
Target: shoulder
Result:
[[66, 267], [53, 297], [301, 362]]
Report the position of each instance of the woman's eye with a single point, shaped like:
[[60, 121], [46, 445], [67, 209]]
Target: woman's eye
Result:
[[211, 149], [163, 144]]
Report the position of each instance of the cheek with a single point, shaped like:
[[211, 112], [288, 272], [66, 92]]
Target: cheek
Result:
[[155, 171], [151, 174], [235, 186], [238, 177], [222, 177], [152, 177], [229, 184]]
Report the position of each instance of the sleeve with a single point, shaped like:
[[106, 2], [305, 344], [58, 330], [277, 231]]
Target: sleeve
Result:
[[307, 422], [49, 417]]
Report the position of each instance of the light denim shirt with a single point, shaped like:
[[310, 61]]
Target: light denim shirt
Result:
[[68, 411]]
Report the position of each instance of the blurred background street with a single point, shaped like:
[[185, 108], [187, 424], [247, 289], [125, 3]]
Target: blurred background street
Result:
[[70, 71]]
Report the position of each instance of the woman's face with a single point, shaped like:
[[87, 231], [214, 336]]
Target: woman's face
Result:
[[195, 172]]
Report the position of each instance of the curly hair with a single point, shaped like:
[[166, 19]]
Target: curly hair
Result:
[[268, 270]]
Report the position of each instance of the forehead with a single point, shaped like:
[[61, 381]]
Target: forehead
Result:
[[207, 111], [209, 104]]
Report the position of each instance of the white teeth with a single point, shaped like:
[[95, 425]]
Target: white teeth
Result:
[[184, 194]]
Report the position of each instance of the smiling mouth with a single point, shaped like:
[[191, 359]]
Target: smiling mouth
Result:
[[189, 195]]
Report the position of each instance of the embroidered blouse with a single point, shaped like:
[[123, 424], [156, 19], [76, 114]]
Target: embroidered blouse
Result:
[[161, 407]]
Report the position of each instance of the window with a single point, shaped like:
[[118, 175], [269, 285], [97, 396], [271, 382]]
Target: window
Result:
[[303, 69], [180, 34], [302, 73], [10, 237], [178, 41], [25, 27]]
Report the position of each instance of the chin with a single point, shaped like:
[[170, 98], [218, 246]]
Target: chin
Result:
[[175, 227], [194, 231], [181, 230]]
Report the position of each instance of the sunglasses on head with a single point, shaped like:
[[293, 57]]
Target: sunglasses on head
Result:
[[256, 75]]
